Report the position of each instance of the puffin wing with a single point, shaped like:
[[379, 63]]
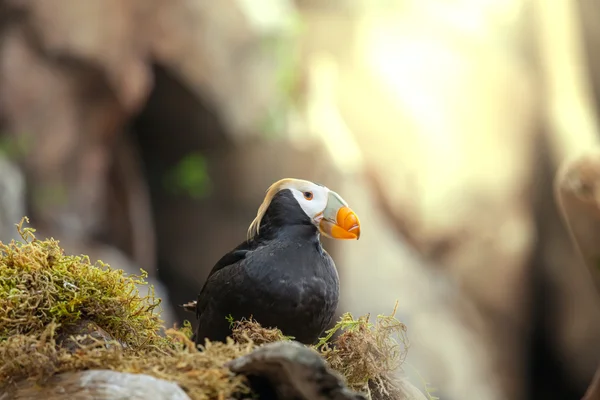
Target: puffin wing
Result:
[[227, 265], [221, 295]]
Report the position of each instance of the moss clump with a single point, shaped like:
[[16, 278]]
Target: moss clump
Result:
[[40, 285], [250, 331], [367, 354], [46, 296]]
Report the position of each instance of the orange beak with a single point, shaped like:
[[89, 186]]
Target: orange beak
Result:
[[339, 221]]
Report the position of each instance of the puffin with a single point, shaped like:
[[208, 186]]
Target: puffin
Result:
[[280, 276]]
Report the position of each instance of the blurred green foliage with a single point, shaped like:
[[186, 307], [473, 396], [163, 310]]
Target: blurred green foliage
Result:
[[285, 51], [15, 146], [189, 176], [50, 194]]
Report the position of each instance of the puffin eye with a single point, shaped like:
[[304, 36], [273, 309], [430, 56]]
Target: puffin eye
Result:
[[308, 195]]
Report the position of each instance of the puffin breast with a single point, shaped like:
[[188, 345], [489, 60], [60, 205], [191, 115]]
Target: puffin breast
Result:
[[298, 287]]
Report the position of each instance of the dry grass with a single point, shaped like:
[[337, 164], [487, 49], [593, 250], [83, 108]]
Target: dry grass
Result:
[[367, 354]]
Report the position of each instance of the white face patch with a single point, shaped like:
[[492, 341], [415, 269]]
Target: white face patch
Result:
[[311, 197]]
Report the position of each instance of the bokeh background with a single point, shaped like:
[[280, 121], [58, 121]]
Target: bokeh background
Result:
[[145, 132]]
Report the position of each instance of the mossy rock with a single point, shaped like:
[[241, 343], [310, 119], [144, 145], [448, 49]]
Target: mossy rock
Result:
[[61, 315]]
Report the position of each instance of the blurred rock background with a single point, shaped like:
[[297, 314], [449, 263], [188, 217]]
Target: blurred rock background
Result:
[[145, 132]]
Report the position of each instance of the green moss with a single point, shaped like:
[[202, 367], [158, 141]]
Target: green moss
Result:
[[41, 285]]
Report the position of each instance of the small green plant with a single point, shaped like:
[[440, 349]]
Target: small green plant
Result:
[[230, 319]]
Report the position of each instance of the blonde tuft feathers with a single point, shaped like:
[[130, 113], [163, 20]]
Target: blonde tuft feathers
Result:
[[271, 192]]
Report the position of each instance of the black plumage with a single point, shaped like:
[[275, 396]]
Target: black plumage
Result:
[[282, 277]]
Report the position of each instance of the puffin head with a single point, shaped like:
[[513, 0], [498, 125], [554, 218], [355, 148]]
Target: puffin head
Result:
[[297, 201]]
